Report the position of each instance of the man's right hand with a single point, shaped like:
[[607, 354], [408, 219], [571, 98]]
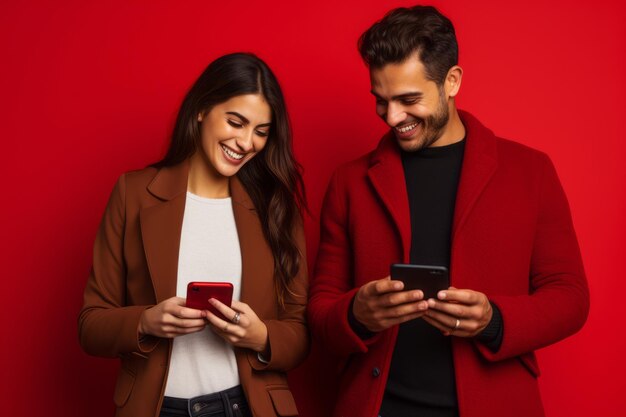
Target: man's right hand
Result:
[[380, 304]]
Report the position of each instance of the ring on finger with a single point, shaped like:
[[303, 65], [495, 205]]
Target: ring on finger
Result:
[[457, 324], [236, 318]]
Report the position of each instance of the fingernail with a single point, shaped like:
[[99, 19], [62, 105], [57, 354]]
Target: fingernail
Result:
[[397, 286], [442, 295]]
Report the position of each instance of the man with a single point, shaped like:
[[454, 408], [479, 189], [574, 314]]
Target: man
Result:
[[440, 189]]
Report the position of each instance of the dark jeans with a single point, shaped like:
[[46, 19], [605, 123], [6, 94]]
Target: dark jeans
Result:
[[227, 403]]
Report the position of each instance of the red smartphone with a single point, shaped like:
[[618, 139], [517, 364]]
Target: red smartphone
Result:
[[199, 293]]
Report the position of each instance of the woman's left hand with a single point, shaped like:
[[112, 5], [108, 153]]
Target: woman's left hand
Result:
[[244, 329]]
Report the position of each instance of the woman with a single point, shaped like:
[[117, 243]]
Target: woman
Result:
[[223, 205]]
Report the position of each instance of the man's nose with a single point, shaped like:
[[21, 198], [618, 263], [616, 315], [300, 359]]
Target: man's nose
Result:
[[395, 115]]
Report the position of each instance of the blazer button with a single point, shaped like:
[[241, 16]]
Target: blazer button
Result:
[[375, 372]]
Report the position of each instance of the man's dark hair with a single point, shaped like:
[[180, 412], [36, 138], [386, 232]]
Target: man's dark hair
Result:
[[404, 31]]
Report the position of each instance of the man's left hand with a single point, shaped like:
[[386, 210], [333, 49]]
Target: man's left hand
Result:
[[462, 313]]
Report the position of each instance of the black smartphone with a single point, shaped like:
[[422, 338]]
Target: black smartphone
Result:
[[428, 278]]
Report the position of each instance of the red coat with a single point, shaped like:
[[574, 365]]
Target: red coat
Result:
[[512, 239]]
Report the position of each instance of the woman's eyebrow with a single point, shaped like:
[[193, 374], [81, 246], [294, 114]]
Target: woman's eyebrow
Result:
[[243, 119]]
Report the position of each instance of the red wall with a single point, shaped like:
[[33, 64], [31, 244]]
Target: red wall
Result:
[[90, 90]]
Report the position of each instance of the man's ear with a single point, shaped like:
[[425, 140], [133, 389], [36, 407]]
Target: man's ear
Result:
[[452, 83]]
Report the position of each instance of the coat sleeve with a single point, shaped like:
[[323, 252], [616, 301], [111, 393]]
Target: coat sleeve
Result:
[[288, 334], [106, 326], [332, 287], [558, 301]]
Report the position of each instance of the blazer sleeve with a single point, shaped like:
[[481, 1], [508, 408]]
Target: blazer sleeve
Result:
[[106, 326], [558, 301], [288, 334], [332, 287]]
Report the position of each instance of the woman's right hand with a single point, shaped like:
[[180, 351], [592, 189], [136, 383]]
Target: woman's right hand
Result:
[[170, 318]]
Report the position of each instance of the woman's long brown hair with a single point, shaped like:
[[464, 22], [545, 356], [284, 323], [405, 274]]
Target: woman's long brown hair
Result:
[[273, 177]]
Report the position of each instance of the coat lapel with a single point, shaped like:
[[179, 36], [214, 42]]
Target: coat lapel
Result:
[[479, 165], [387, 177], [161, 225], [256, 256]]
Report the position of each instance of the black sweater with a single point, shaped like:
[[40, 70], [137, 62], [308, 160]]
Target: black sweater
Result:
[[421, 378]]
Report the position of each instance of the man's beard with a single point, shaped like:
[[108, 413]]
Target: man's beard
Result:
[[432, 126]]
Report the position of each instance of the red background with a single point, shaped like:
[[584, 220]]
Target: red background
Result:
[[90, 90]]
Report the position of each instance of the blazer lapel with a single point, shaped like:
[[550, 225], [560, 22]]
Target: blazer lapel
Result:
[[387, 177], [161, 226], [256, 256], [479, 165]]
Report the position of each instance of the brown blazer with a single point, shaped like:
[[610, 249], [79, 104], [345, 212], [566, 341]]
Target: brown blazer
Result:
[[135, 264]]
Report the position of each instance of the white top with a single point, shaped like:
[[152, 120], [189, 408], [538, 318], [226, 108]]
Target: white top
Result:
[[203, 363]]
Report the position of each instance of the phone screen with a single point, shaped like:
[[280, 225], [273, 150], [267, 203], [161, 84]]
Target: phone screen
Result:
[[428, 278]]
